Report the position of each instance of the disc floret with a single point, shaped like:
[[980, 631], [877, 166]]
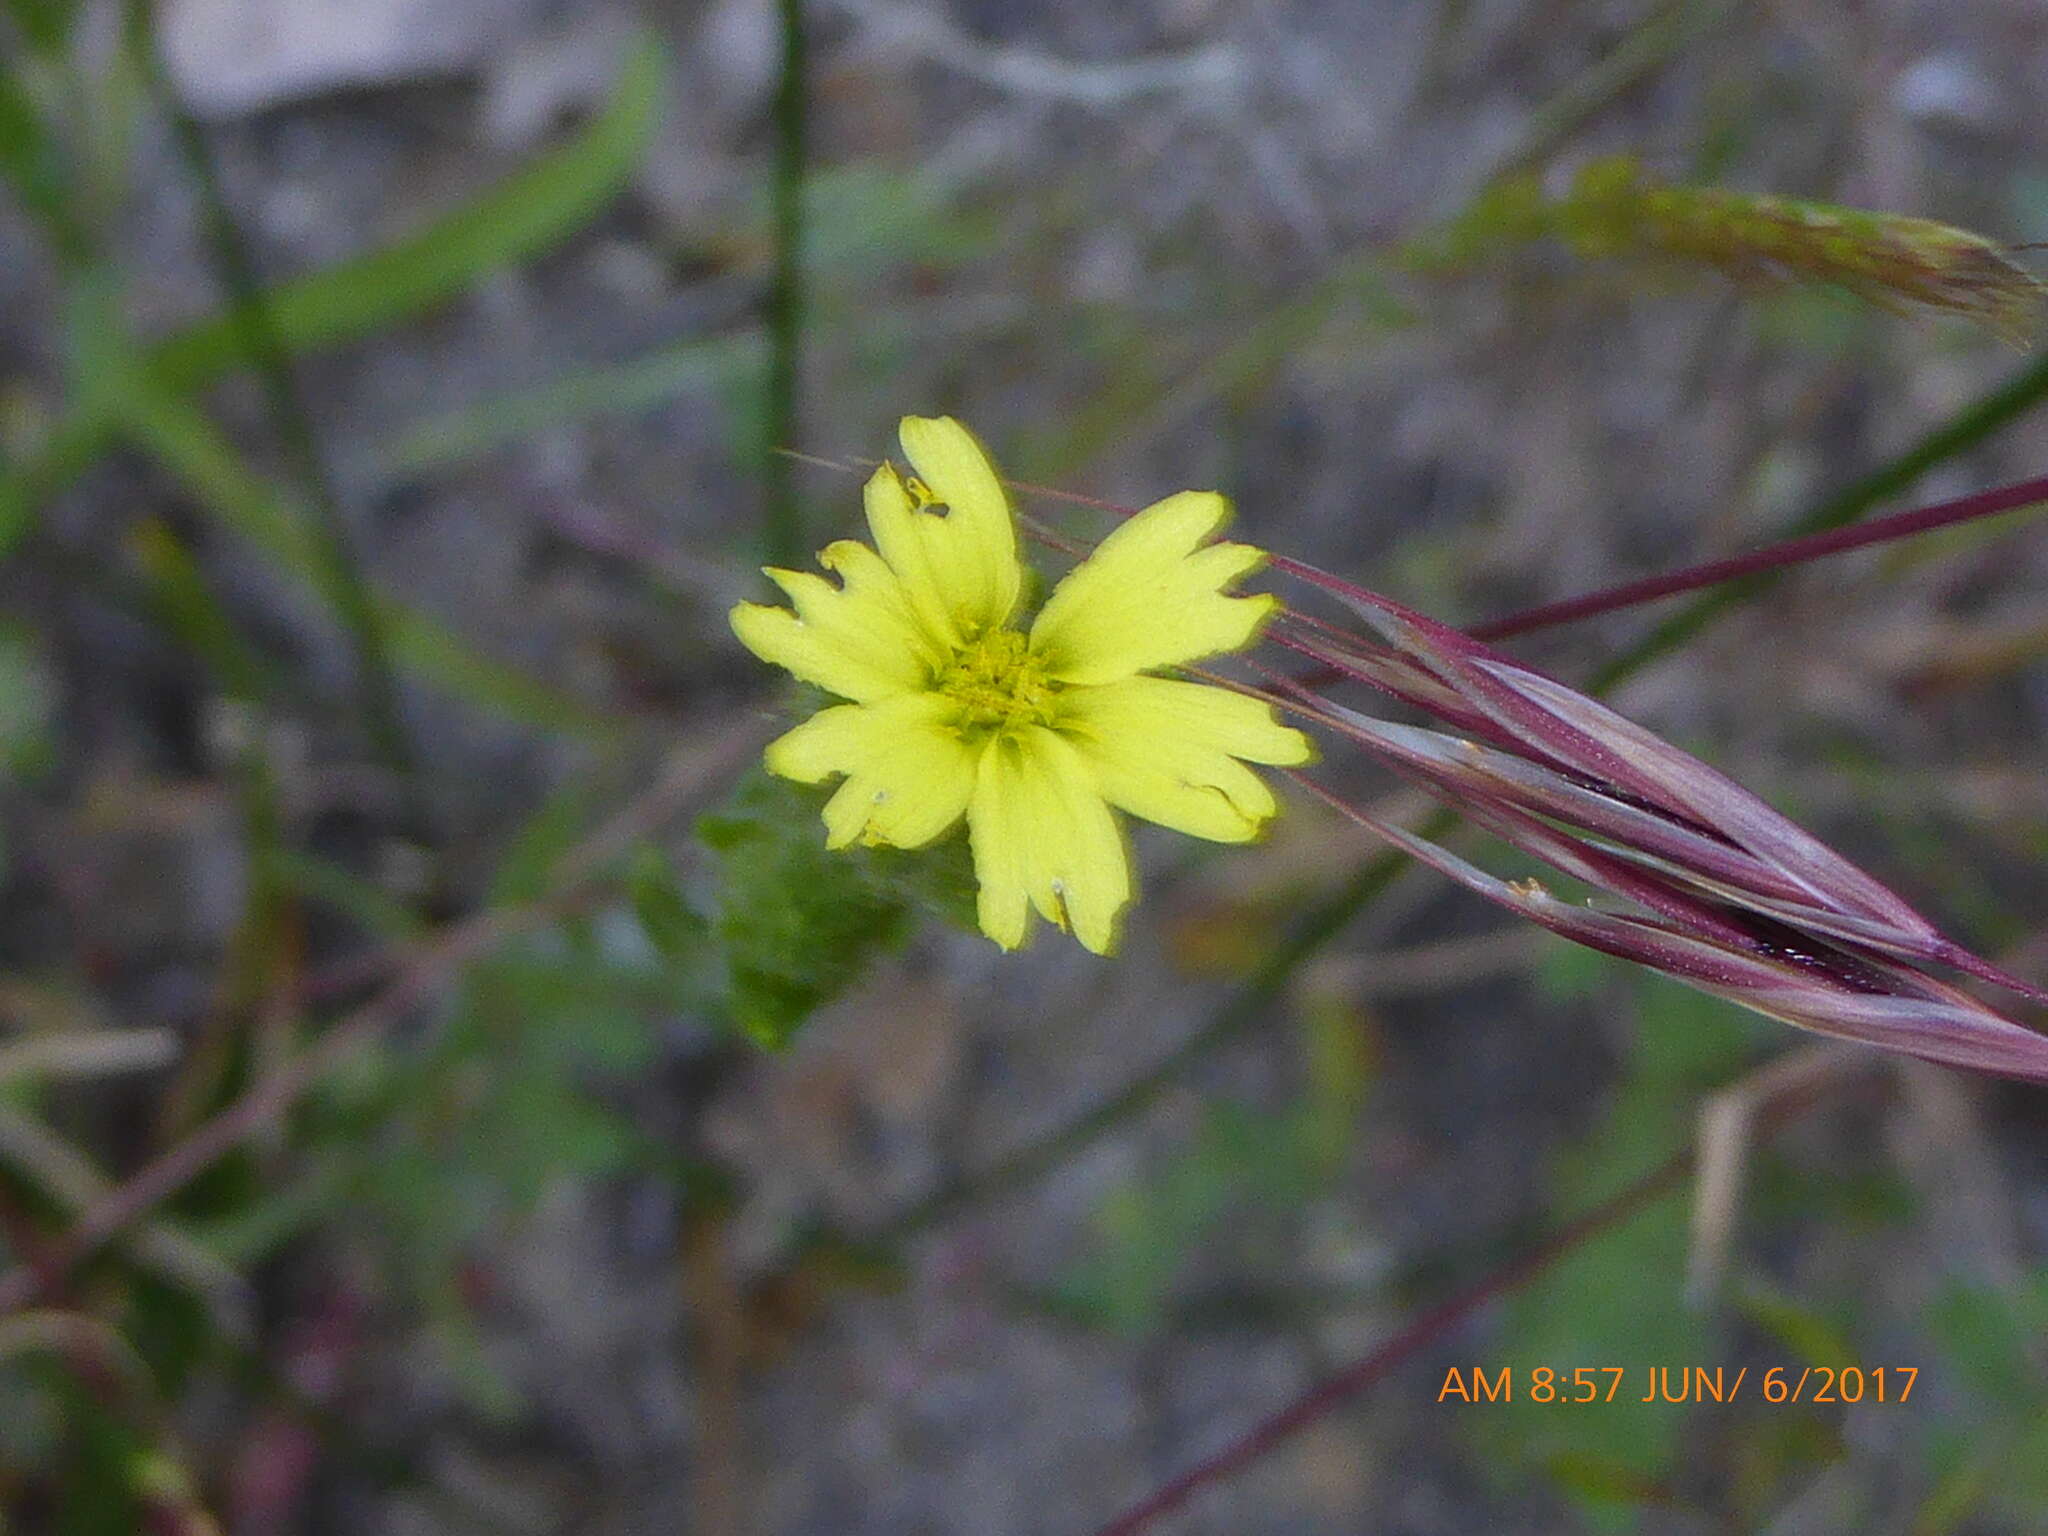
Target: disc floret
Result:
[[999, 684]]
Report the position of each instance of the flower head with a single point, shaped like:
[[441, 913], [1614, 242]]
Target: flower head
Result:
[[1036, 735]]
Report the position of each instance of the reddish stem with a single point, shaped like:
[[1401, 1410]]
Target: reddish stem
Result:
[[1787, 552], [1431, 1325], [1813, 546]]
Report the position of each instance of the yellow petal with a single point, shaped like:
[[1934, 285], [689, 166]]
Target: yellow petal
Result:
[[904, 534], [1168, 751], [1042, 837], [1151, 596], [959, 562], [875, 596], [908, 775], [861, 639]]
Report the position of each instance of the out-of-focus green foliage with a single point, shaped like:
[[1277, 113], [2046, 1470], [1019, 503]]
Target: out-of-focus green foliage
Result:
[[503, 1103], [198, 454], [45, 24], [32, 155], [183, 604], [1147, 1233], [432, 1151], [1241, 1161], [558, 193], [1990, 1451], [32, 163], [549, 199], [27, 699], [1610, 1301], [444, 1141], [435, 1149], [676, 929], [870, 220], [641, 384]]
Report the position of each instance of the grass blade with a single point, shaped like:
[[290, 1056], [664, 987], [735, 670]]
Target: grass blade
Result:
[[193, 450], [530, 210], [526, 213]]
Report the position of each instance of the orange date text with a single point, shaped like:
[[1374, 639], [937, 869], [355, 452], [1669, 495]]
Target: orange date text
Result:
[[1676, 1384]]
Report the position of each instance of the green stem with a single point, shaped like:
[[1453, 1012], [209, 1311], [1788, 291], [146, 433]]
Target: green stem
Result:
[[262, 343], [782, 529]]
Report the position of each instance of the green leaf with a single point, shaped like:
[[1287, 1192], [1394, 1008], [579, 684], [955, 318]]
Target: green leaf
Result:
[[1338, 1057], [28, 702], [525, 869], [451, 1148], [675, 929], [1988, 1334], [1615, 1299], [1243, 1162], [45, 24], [1598, 1480], [1812, 1338], [34, 164], [1687, 1041], [315, 879], [2027, 1486], [435, 652], [1567, 973], [796, 922], [186, 606]]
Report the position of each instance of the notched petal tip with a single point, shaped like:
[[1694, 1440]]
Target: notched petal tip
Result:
[[1300, 748], [753, 624], [959, 561], [1176, 753], [1044, 840], [953, 464], [1099, 935], [1257, 610], [1191, 518], [939, 438], [1153, 594], [1004, 915], [835, 556], [886, 483], [1231, 560], [908, 775]]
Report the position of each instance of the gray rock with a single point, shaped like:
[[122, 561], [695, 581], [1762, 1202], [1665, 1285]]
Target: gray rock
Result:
[[232, 57]]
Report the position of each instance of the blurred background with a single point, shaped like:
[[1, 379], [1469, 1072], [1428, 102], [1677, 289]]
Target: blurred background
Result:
[[388, 401]]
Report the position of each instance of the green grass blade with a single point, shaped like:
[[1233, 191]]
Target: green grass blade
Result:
[[532, 209], [193, 450], [535, 207], [622, 388], [45, 24], [181, 600], [32, 162]]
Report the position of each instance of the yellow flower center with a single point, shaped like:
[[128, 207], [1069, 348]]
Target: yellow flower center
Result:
[[998, 684]]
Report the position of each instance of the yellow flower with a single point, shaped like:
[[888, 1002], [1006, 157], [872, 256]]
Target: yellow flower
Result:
[[1033, 735]]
